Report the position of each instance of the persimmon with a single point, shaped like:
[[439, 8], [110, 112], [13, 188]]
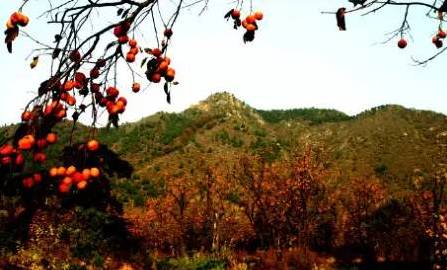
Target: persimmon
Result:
[[80, 77], [168, 32], [39, 157], [77, 177], [250, 27], [78, 85], [235, 13], [86, 173], [170, 75], [18, 18], [67, 180], [94, 73], [155, 78], [95, 88], [6, 150], [82, 185], [136, 87], [68, 85], [258, 15], [132, 43], [14, 18], [26, 143], [118, 31], [5, 160], [28, 182], [163, 67], [112, 92], [75, 56], [53, 172], [64, 188], [244, 23], [70, 170], [156, 52], [402, 43], [94, 172], [123, 39], [27, 116], [110, 106], [123, 100], [71, 100], [23, 20], [41, 143], [61, 114], [37, 178], [64, 96], [118, 107], [250, 19], [19, 160], [61, 171], [130, 57], [51, 138], [134, 50], [167, 60], [93, 145]]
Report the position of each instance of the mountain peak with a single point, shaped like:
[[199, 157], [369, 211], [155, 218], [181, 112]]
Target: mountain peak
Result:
[[222, 102]]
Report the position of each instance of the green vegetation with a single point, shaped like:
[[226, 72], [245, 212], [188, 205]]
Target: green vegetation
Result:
[[312, 115]]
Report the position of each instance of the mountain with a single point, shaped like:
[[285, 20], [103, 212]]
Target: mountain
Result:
[[389, 142], [175, 177]]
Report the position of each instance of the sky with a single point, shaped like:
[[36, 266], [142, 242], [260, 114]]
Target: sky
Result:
[[298, 59]]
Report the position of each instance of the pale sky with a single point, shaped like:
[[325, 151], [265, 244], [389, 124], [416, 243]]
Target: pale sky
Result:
[[298, 59]]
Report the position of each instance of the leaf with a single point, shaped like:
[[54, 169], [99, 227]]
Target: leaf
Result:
[[249, 36], [168, 94], [340, 16], [56, 53], [11, 35], [357, 2], [125, 13], [443, 7], [34, 62], [166, 88], [228, 14], [143, 62], [9, 46]]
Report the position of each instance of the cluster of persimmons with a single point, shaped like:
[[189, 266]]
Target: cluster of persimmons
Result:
[[249, 23], [17, 19], [437, 40], [72, 177]]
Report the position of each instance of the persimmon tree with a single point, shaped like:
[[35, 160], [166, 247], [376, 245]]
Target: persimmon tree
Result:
[[94, 43], [434, 10]]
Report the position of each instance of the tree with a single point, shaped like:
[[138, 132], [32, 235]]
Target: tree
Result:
[[434, 10], [94, 41]]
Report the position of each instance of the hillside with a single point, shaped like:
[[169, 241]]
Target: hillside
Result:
[[390, 142], [224, 174]]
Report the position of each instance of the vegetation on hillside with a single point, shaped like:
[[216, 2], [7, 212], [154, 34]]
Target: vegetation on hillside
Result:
[[219, 187]]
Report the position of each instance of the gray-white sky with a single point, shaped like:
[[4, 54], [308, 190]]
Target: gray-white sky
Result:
[[299, 59]]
